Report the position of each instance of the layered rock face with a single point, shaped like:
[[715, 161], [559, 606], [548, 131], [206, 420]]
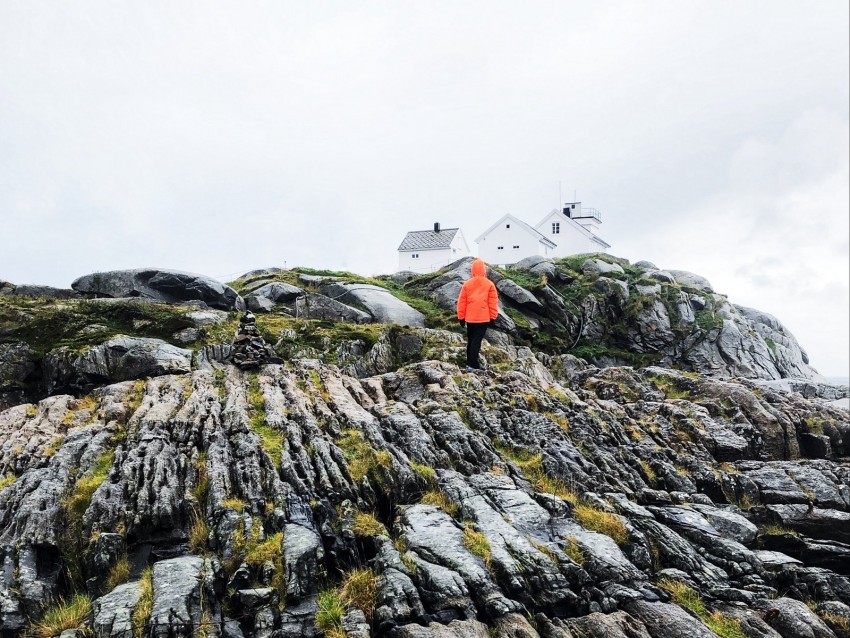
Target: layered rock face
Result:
[[326, 468], [545, 498]]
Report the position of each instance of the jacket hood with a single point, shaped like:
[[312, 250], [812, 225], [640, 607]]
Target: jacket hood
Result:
[[479, 268]]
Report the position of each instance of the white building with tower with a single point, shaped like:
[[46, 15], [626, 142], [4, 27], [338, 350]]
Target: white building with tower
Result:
[[569, 231], [426, 251]]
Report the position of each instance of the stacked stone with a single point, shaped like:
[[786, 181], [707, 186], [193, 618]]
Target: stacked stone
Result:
[[249, 348]]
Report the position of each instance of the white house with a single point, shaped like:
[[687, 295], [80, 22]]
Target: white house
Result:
[[510, 239], [568, 231], [429, 250], [573, 229]]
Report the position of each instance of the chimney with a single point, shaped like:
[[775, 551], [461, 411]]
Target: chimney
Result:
[[436, 227]]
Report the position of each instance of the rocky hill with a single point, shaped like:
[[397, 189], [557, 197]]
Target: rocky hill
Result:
[[641, 459]]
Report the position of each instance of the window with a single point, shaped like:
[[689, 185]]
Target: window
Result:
[[556, 228], [415, 255], [500, 247], [507, 225], [516, 247]]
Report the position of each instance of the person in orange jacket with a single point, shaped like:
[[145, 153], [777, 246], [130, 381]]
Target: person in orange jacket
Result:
[[477, 309]]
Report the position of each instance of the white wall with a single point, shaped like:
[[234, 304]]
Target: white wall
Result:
[[428, 260], [570, 241], [516, 235]]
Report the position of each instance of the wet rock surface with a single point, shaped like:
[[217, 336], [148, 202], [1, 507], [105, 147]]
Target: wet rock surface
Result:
[[533, 500], [350, 480]]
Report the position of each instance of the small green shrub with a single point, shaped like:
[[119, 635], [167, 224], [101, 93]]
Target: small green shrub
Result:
[[119, 574], [573, 550], [477, 543], [601, 521], [269, 550], [63, 615], [366, 525], [440, 499], [330, 613], [360, 589]]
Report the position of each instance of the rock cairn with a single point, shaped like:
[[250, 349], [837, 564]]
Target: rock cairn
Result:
[[249, 348]]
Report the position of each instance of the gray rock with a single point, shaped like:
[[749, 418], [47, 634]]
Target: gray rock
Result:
[[113, 612], [596, 625], [446, 295], [207, 317], [123, 358], [646, 265], [379, 302], [259, 304], [315, 306], [661, 275], [776, 560], [664, 620], [728, 523], [49, 292], [265, 297], [18, 363], [454, 629], [686, 278], [518, 294], [260, 272], [171, 286], [187, 335], [303, 556], [793, 619], [600, 266], [177, 596], [538, 265]]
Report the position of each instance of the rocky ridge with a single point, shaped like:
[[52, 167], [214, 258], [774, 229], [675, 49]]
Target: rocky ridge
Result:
[[361, 485]]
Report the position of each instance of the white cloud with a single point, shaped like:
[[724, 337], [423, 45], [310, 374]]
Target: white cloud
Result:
[[776, 237]]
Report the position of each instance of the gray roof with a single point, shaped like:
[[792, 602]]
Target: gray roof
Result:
[[428, 239]]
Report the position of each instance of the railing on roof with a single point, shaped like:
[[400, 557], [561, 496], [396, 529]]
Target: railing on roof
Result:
[[590, 212]]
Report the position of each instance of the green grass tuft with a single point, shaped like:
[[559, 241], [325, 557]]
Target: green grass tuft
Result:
[[366, 526], [330, 613], [477, 543], [64, 615], [142, 612], [360, 589]]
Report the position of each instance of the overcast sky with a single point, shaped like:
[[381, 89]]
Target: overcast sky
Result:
[[219, 137]]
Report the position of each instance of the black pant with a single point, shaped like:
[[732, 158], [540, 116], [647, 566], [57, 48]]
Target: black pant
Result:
[[474, 337]]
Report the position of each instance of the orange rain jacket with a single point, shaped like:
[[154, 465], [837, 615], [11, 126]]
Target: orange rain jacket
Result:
[[478, 301]]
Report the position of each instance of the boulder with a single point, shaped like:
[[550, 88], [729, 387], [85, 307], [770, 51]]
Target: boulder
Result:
[[728, 523], [113, 613], [177, 595], [379, 302], [518, 294], [538, 265], [686, 278], [600, 266], [265, 297], [446, 295], [793, 619], [661, 275], [646, 265], [170, 286], [260, 272], [454, 629], [122, 358], [315, 306]]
